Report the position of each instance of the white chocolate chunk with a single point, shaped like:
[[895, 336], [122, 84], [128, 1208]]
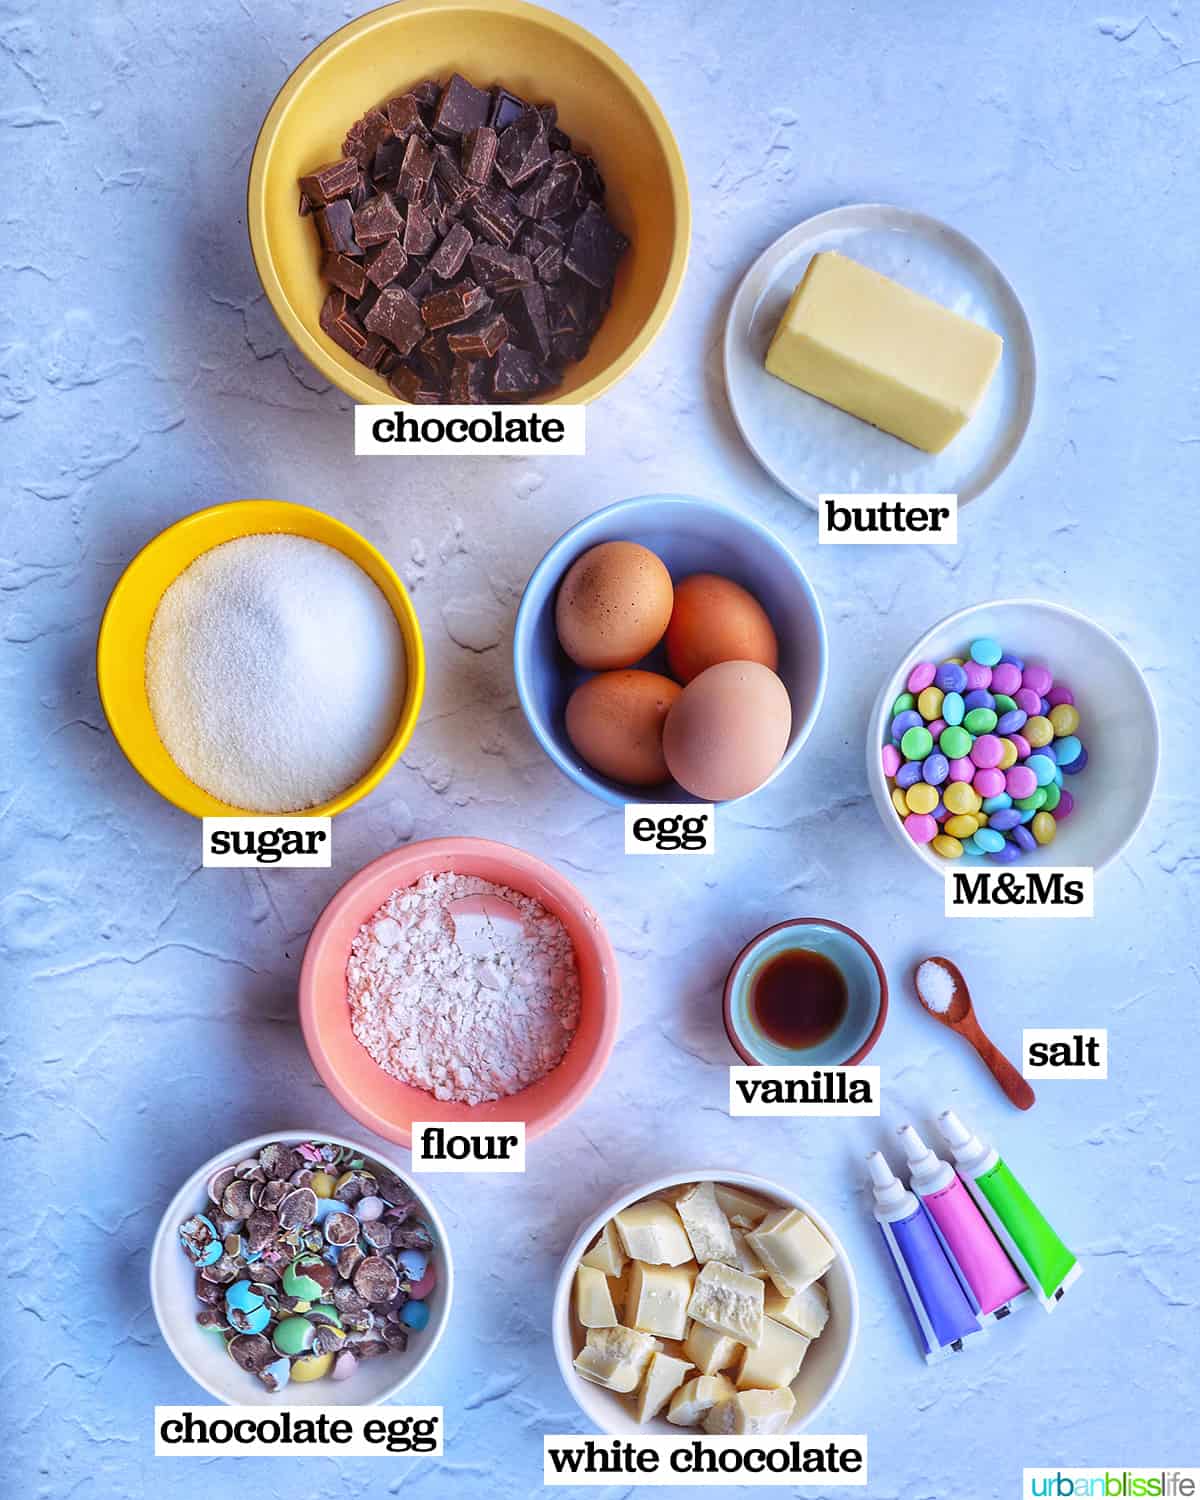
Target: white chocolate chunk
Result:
[[709, 1350], [593, 1300], [705, 1223], [751, 1413], [743, 1211], [615, 1358], [744, 1258], [606, 1254], [792, 1248], [775, 1361], [807, 1311], [657, 1299], [692, 1402], [653, 1232], [664, 1375], [729, 1302]]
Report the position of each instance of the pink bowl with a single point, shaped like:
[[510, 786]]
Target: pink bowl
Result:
[[374, 1097]]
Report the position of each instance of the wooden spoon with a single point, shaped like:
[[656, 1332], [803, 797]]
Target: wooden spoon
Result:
[[960, 1016]]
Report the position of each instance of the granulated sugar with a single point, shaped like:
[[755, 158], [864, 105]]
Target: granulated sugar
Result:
[[275, 671], [466, 1023]]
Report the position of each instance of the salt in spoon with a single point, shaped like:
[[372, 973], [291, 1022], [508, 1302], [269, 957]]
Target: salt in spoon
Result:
[[954, 1009]]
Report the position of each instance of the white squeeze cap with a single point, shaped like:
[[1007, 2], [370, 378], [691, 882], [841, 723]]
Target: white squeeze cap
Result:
[[966, 1147], [890, 1192], [923, 1165]]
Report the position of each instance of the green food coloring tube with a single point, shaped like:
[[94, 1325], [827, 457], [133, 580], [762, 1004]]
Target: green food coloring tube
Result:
[[1034, 1247]]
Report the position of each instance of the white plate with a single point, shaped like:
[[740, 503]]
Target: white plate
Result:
[[813, 448]]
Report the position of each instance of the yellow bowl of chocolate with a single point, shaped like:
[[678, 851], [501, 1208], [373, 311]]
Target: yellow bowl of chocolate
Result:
[[532, 53]]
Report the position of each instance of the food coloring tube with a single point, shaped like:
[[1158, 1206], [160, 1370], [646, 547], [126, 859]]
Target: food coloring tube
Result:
[[1036, 1251], [988, 1276], [939, 1304]]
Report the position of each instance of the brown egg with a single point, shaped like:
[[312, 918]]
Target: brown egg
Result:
[[715, 619], [728, 731], [615, 721], [613, 605]]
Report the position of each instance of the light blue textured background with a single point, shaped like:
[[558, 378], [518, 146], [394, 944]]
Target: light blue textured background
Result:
[[150, 1005]]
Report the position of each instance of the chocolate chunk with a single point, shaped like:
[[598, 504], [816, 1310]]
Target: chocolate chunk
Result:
[[426, 93], [398, 318], [468, 382], [389, 160], [409, 386], [479, 154], [411, 1237], [499, 270], [369, 1348], [348, 1261], [404, 116], [365, 136], [526, 314], [275, 1191], [435, 359], [558, 190], [454, 305], [372, 352], [523, 148], [376, 1233], [454, 187], [517, 374], [334, 180], [505, 109], [495, 214], [366, 302], [377, 221], [590, 179], [419, 233], [386, 264], [395, 1336], [447, 260], [548, 266], [335, 225], [480, 337], [595, 248], [461, 107], [344, 272], [421, 284], [416, 170], [360, 192]]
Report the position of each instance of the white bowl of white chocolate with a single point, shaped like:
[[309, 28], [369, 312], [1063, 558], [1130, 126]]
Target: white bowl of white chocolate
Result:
[[705, 1300]]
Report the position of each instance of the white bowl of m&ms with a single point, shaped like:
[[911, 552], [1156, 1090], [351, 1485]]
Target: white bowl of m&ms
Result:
[[1014, 733]]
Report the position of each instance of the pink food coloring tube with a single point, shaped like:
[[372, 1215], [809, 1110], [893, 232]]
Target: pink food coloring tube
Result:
[[988, 1276]]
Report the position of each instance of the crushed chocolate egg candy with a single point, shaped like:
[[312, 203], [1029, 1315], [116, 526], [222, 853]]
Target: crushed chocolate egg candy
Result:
[[296, 1249], [466, 245]]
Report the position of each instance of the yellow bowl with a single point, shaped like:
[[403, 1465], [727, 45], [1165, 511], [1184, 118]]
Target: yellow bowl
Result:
[[121, 647], [602, 106]]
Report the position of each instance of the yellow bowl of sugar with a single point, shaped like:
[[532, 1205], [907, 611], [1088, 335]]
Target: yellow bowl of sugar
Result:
[[121, 650]]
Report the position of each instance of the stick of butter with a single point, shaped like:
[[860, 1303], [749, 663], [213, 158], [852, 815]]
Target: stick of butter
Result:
[[593, 1300], [883, 353], [728, 1301], [652, 1231], [751, 1413], [776, 1359], [664, 1375], [692, 1402], [615, 1358], [807, 1311], [792, 1248], [657, 1299]]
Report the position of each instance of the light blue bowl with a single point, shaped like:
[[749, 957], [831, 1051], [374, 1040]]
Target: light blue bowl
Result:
[[866, 985], [691, 536]]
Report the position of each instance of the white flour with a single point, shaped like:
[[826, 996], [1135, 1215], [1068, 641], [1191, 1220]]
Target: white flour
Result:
[[471, 1025]]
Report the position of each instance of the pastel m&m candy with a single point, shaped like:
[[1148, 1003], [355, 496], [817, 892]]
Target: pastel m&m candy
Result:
[[987, 751], [920, 827], [921, 676]]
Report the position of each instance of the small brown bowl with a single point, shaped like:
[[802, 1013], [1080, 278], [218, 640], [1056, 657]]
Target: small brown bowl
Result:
[[866, 985]]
